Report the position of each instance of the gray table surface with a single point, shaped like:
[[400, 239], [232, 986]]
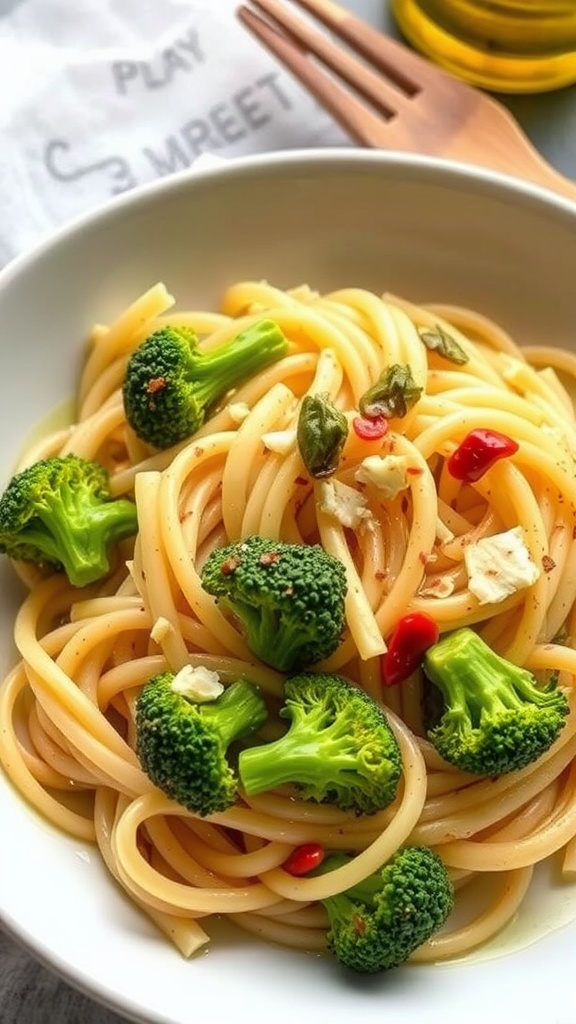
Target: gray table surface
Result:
[[29, 992]]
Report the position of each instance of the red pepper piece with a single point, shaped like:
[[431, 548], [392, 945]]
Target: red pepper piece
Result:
[[370, 428], [413, 635], [479, 450], [304, 859]]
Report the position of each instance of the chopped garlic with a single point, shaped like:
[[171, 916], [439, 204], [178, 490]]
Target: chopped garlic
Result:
[[198, 683], [161, 629], [438, 586], [499, 566], [389, 473], [343, 503], [238, 411], [279, 441]]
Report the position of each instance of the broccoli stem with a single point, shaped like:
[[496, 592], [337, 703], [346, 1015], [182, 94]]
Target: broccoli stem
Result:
[[216, 372], [299, 755], [266, 634], [475, 681], [236, 712], [338, 907], [78, 532]]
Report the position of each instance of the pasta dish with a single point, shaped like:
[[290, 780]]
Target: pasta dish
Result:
[[428, 461]]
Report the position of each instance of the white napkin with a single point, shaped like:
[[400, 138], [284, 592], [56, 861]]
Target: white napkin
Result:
[[99, 96]]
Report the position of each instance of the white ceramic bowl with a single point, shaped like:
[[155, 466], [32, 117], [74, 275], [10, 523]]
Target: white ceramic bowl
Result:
[[424, 229]]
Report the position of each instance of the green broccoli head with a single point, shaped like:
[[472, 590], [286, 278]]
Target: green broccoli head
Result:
[[339, 748], [58, 512], [289, 598], [495, 718], [182, 744], [171, 386], [377, 924]]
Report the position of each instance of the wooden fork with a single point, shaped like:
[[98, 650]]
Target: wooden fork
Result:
[[393, 98]]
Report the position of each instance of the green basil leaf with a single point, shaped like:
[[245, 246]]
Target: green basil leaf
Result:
[[393, 394], [321, 434], [440, 341]]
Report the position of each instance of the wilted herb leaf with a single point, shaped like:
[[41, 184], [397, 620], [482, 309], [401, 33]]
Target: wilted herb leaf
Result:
[[440, 341], [321, 434], [393, 394]]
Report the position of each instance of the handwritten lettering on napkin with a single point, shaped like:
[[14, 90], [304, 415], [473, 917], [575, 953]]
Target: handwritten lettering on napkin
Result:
[[110, 102]]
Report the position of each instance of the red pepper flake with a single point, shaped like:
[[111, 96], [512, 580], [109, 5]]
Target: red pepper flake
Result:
[[548, 563], [229, 566], [414, 470], [304, 859], [156, 384], [370, 428], [413, 635], [301, 480], [359, 925], [478, 452]]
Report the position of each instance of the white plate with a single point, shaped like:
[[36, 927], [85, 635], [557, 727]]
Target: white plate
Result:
[[423, 229]]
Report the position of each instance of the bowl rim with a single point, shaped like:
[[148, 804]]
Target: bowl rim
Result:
[[208, 168], [413, 167]]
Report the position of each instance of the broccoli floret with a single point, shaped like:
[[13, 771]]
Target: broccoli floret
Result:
[[182, 744], [377, 924], [58, 513], [171, 385], [339, 748], [289, 598], [495, 719]]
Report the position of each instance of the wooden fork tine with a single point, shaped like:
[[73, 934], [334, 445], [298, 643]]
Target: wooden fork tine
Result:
[[361, 123], [380, 93], [391, 57]]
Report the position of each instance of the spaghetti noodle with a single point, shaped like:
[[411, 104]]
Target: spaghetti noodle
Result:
[[68, 707]]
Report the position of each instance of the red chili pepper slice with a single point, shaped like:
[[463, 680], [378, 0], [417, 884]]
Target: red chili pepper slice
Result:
[[304, 859], [413, 635], [479, 450], [370, 428]]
